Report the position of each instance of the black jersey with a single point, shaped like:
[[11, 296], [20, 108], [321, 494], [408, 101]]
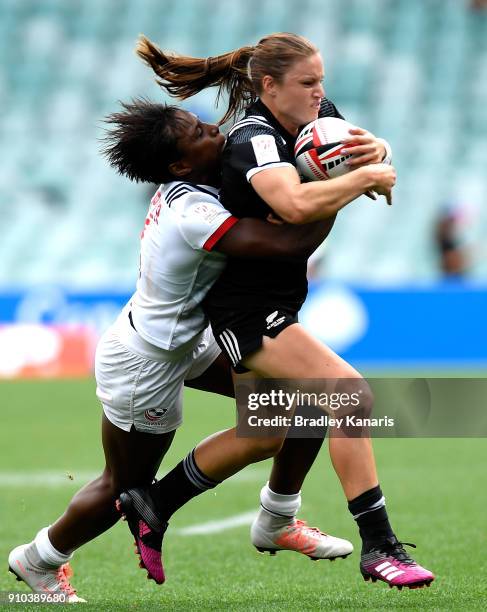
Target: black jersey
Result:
[[256, 142]]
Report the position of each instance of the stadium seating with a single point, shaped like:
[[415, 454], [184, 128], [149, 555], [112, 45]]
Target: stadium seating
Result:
[[414, 72]]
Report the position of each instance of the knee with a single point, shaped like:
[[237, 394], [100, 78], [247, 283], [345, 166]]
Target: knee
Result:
[[359, 395], [108, 485], [264, 448], [100, 492], [366, 400]]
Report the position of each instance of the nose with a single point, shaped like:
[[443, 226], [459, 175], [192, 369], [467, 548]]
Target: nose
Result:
[[320, 91], [213, 129]]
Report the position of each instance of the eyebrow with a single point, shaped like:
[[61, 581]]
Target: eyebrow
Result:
[[196, 126], [191, 127]]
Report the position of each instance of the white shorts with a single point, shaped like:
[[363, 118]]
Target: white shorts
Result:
[[140, 384]]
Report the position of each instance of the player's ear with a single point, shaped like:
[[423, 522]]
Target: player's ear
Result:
[[179, 168], [268, 85]]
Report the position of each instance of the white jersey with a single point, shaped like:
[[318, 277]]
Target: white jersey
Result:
[[177, 264]]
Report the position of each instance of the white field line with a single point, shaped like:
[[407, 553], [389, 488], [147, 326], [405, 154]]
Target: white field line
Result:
[[238, 520], [54, 479], [45, 479]]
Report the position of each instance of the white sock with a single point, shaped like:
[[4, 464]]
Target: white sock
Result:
[[278, 510], [46, 550]]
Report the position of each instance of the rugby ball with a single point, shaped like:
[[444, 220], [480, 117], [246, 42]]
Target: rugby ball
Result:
[[318, 149]]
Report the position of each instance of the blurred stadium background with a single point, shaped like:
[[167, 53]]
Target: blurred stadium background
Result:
[[412, 71], [382, 293]]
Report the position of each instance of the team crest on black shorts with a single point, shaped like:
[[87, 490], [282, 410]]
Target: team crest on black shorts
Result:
[[273, 320], [155, 414]]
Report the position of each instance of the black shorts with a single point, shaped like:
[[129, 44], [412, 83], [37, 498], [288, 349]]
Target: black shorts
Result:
[[240, 334]]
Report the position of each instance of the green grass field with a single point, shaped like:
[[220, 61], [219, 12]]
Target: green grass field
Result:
[[436, 495]]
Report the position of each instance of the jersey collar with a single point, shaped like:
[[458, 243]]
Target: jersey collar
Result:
[[173, 185], [260, 108]]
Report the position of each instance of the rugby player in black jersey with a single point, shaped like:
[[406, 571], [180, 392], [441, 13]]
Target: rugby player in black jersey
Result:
[[279, 85], [159, 144]]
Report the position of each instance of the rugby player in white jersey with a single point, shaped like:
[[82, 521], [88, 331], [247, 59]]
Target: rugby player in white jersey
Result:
[[161, 341]]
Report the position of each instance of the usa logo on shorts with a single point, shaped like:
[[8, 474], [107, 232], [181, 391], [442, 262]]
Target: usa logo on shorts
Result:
[[155, 414]]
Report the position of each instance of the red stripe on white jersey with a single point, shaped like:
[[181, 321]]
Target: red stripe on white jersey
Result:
[[223, 229]]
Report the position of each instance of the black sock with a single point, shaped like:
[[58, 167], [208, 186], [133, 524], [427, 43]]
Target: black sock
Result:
[[180, 485], [369, 510]]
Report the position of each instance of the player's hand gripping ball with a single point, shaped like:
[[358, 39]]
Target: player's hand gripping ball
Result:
[[318, 149]]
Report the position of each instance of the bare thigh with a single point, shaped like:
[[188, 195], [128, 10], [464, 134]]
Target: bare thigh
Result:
[[295, 353], [216, 379], [132, 458]]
